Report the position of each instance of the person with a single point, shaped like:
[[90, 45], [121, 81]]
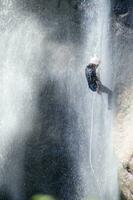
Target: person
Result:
[[94, 82]]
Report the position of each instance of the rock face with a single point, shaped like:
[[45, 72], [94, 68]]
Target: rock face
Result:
[[123, 114], [123, 86], [126, 180], [124, 10]]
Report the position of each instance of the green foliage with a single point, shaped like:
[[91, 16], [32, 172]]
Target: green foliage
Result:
[[49, 197], [42, 197]]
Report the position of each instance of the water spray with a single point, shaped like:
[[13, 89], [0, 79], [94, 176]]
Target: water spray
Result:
[[92, 116]]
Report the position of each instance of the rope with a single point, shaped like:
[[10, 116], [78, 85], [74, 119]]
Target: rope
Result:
[[90, 150], [92, 121]]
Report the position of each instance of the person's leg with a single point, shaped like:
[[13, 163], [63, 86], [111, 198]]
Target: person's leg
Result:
[[105, 89], [109, 92]]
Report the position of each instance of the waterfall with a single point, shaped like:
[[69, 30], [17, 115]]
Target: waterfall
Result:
[[47, 111], [101, 181]]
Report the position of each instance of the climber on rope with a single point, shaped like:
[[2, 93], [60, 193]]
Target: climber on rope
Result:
[[94, 82]]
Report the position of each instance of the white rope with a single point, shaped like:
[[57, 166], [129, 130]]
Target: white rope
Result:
[[92, 120], [90, 150]]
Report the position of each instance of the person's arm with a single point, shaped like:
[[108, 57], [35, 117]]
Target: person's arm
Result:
[[98, 82], [94, 74]]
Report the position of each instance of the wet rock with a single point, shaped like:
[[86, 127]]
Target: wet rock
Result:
[[123, 9], [129, 19], [120, 7], [126, 180]]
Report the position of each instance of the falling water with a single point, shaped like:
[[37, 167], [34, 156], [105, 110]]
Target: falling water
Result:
[[102, 166], [46, 108]]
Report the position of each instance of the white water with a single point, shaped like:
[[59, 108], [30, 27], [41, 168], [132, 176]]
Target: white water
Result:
[[101, 181], [25, 49], [20, 53]]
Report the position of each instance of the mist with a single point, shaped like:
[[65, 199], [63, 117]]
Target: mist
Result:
[[48, 143]]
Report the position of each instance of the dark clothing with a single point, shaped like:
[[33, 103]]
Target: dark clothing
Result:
[[93, 81], [91, 77], [95, 84]]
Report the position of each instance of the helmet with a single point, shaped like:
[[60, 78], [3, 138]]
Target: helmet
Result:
[[95, 60]]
